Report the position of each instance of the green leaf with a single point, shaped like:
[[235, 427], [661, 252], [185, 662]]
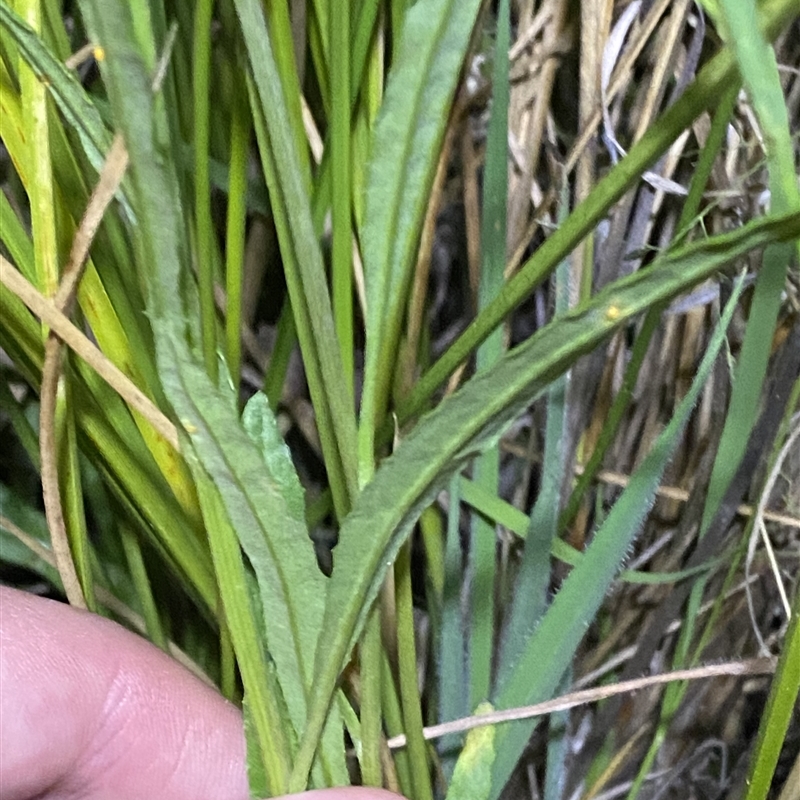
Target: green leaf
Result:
[[471, 420], [472, 778], [759, 71], [778, 712], [267, 732], [503, 513], [239, 491], [256, 772], [482, 550], [302, 258], [263, 500], [715, 76], [72, 100], [31, 521], [549, 650], [405, 150], [261, 426]]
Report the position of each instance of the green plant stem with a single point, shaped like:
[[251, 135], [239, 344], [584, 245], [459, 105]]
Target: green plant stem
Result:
[[285, 340], [370, 674], [409, 691], [202, 184], [144, 592], [280, 35], [342, 275], [72, 492], [227, 662], [393, 717], [235, 229]]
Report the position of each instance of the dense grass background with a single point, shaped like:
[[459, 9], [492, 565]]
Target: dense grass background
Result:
[[465, 333]]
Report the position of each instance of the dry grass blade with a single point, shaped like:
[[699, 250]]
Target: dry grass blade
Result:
[[754, 666], [110, 179], [81, 345]]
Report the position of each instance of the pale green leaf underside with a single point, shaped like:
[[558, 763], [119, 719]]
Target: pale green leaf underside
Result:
[[472, 778]]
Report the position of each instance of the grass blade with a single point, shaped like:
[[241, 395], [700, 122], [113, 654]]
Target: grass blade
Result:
[[305, 272], [710, 82], [469, 421], [73, 102], [778, 713], [482, 553], [405, 149], [550, 649], [533, 581]]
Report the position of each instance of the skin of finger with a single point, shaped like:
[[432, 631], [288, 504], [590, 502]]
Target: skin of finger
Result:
[[89, 710], [350, 793]]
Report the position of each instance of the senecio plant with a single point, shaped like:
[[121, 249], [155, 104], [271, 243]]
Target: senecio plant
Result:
[[166, 164]]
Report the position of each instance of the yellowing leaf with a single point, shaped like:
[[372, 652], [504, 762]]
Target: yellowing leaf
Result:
[[472, 778]]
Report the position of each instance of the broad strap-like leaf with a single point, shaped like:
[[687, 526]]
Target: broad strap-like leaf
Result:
[[254, 494], [472, 419], [405, 149]]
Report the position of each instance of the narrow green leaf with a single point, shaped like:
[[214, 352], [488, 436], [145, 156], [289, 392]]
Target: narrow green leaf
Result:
[[453, 694], [241, 129], [533, 579], [339, 140], [300, 326], [518, 522], [469, 421], [482, 552], [72, 100], [304, 268], [759, 71], [405, 149], [201, 80], [268, 744], [408, 678], [703, 92], [778, 712], [549, 651]]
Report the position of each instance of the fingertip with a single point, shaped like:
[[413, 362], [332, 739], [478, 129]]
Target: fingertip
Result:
[[96, 711]]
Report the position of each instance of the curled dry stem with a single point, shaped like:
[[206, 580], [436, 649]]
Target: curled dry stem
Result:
[[64, 299]]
